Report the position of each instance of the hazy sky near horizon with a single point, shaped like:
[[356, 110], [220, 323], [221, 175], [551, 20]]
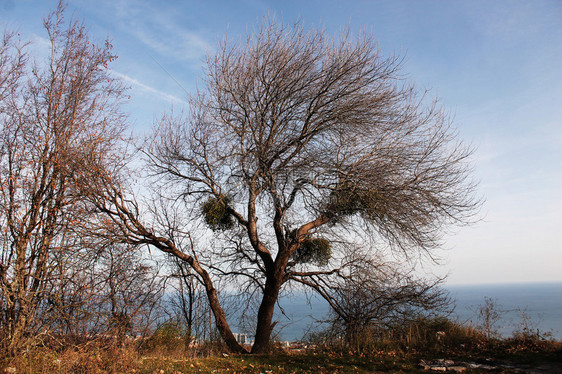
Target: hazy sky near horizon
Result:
[[495, 65]]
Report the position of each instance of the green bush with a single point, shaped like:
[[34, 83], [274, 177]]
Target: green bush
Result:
[[439, 333]]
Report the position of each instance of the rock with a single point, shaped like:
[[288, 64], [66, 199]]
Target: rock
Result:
[[442, 365], [481, 366], [457, 369], [438, 368], [425, 365]]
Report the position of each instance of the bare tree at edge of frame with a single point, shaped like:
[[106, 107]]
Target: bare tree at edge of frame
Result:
[[56, 116]]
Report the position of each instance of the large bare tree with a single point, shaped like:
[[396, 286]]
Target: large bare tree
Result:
[[299, 147], [58, 117]]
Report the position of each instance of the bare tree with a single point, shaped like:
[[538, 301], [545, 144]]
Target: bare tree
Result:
[[376, 295], [188, 304], [489, 314], [132, 291], [298, 145], [58, 118], [117, 292]]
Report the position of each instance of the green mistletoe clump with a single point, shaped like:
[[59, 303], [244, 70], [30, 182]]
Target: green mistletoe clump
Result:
[[216, 213]]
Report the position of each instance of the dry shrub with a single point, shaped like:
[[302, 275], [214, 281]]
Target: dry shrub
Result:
[[440, 334], [88, 358], [424, 334], [170, 339]]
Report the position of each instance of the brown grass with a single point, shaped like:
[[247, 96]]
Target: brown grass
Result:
[[396, 350]]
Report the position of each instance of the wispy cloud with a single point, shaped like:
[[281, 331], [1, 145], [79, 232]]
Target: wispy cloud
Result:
[[144, 87], [40, 47], [187, 45], [157, 27]]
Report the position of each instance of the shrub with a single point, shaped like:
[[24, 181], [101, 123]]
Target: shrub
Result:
[[423, 334], [170, 338], [93, 357]]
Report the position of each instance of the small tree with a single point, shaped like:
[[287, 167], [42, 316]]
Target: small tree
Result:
[[56, 118], [378, 295], [187, 304], [115, 292], [297, 146], [489, 314]]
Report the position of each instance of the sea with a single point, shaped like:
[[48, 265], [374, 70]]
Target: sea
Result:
[[536, 307]]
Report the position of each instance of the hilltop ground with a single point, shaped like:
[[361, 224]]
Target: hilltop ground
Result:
[[493, 356]]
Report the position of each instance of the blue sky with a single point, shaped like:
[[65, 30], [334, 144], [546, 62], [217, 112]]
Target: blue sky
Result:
[[495, 65]]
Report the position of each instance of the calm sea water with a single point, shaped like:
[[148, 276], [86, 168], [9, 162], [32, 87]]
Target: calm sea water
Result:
[[536, 306], [539, 303]]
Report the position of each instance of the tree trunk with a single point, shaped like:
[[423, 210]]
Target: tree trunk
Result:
[[220, 318], [265, 326], [222, 324]]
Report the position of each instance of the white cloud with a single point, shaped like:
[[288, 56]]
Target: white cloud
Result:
[[186, 44], [159, 29], [138, 84], [40, 47]]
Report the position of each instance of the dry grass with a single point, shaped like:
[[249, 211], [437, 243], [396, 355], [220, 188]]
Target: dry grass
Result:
[[79, 359], [398, 350]]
